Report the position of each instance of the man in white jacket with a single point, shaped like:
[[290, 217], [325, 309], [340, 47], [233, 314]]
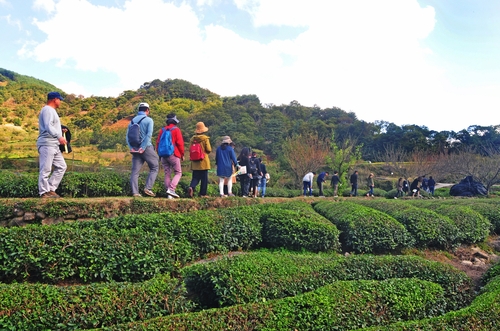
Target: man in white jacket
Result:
[[49, 138], [307, 182]]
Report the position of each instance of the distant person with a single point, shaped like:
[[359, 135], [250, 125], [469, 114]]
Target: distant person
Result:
[[354, 183], [225, 160], [320, 181], [406, 187], [307, 182], [425, 184], [399, 188], [172, 163], [371, 184], [432, 185], [263, 180], [335, 183], [255, 175], [50, 136], [414, 187], [243, 160], [200, 167], [142, 151]]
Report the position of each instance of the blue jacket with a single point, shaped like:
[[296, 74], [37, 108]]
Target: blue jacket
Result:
[[225, 157]]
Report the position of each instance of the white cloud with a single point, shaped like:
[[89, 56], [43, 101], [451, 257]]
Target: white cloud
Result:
[[361, 55], [74, 88], [14, 22], [46, 5]]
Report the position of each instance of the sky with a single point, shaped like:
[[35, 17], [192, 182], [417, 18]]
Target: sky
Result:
[[432, 63]]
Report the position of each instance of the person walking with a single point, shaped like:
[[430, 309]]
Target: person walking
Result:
[[335, 183], [354, 183], [371, 184], [200, 167], [172, 163], [243, 161], [263, 180], [320, 181], [432, 185], [50, 136], [307, 183], [225, 160], [145, 152], [399, 188]]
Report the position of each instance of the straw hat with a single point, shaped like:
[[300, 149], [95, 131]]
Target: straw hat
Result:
[[200, 128]]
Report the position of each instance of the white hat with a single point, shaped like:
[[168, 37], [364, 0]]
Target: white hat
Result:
[[144, 104]]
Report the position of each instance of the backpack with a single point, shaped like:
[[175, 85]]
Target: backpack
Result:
[[134, 133], [165, 146], [252, 166], [196, 152]]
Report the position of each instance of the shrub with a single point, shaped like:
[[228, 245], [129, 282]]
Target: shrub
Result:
[[261, 276], [296, 227], [342, 305], [364, 229], [37, 306], [429, 228], [473, 227]]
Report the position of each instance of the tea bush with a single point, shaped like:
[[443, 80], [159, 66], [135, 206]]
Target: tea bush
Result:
[[341, 305], [363, 229], [42, 307], [261, 276]]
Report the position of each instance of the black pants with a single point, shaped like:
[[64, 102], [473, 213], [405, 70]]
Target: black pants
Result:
[[320, 186], [245, 185], [200, 175]]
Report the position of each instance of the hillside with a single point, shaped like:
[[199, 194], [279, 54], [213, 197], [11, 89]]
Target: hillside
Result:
[[100, 122]]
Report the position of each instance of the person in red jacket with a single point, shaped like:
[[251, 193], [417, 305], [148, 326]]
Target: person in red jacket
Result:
[[172, 163]]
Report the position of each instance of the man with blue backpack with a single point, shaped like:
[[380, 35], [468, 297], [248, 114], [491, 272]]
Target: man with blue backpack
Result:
[[139, 133], [170, 148]]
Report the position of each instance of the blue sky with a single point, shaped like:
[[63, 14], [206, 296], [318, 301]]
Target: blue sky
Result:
[[424, 62]]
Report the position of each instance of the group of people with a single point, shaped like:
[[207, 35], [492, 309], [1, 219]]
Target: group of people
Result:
[[418, 184], [53, 166], [370, 183], [308, 179]]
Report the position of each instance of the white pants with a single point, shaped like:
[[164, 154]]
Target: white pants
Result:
[[50, 156]]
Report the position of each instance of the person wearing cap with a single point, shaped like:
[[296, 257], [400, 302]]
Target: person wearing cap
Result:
[[225, 159], [50, 137], [200, 168], [145, 153], [172, 163]]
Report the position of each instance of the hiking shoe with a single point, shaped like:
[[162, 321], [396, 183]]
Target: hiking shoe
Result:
[[54, 194], [49, 195], [190, 192], [137, 195], [172, 193], [149, 192]]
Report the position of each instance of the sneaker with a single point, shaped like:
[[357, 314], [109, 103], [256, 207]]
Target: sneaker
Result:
[[230, 195], [169, 197], [223, 196], [137, 195], [149, 192], [190, 192], [172, 193], [335, 196]]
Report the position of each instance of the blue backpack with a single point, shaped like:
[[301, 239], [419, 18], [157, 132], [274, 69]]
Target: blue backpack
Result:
[[165, 146], [134, 133]]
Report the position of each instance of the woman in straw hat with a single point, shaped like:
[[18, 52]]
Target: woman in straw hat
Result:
[[225, 159], [200, 168]]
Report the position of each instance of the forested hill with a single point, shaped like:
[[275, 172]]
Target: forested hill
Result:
[[102, 120]]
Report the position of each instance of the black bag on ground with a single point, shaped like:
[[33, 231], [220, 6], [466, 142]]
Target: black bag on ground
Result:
[[468, 188]]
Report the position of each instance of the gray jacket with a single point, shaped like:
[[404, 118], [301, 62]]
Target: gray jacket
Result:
[[49, 128]]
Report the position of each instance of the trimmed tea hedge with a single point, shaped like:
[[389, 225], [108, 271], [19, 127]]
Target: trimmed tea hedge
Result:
[[338, 306], [44, 307], [257, 277], [429, 228], [296, 226], [482, 315], [363, 229]]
